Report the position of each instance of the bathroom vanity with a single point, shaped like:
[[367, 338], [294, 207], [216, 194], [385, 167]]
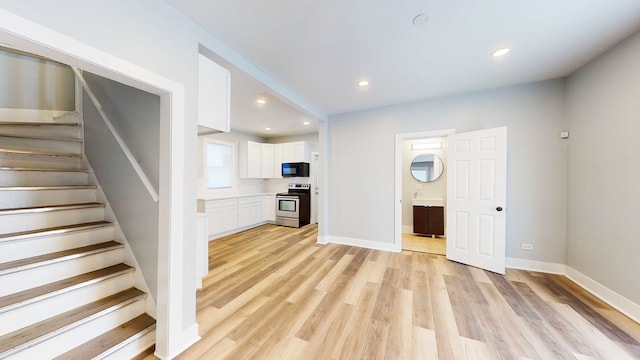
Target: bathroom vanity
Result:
[[428, 216]]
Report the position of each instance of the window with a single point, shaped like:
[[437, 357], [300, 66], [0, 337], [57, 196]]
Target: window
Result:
[[219, 165]]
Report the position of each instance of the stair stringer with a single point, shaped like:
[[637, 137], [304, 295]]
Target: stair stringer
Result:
[[119, 236]]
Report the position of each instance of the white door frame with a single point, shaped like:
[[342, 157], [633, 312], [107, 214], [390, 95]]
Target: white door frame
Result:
[[314, 186], [400, 138], [32, 37]]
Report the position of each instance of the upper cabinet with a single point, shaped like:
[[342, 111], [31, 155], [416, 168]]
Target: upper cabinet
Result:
[[213, 96], [264, 161]]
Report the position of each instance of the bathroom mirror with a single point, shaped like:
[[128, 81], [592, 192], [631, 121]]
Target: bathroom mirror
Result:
[[426, 167]]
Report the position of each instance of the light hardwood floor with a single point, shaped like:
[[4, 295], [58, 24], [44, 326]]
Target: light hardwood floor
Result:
[[273, 293], [425, 244]]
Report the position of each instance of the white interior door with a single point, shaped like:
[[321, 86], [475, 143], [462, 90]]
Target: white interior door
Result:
[[476, 198]]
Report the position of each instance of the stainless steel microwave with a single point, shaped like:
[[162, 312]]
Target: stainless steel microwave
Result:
[[297, 169]]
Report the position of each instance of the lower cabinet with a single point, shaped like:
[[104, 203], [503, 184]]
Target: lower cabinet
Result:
[[249, 211], [428, 220], [226, 215], [222, 215]]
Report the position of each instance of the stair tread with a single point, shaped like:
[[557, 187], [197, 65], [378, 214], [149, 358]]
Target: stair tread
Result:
[[52, 187], [38, 152], [31, 123], [52, 207], [59, 255], [53, 288], [110, 339], [9, 168], [54, 230], [36, 137], [32, 333]]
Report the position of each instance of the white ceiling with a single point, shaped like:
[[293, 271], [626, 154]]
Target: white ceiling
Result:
[[319, 49]]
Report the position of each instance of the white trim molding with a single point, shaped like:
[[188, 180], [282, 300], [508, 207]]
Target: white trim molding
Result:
[[368, 244], [605, 294], [615, 300]]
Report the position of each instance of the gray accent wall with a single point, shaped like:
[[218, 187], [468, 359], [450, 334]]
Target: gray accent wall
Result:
[[604, 169], [136, 116], [35, 83], [361, 153]]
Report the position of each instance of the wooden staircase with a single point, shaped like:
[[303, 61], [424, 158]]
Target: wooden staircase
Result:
[[65, 292]]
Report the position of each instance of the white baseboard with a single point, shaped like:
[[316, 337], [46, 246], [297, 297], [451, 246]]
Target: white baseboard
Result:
[[322, 240], [368, 244], [617, 301], [189, 337], [533, 265]]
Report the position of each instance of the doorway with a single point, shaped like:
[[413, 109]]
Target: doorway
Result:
[[421, 182]]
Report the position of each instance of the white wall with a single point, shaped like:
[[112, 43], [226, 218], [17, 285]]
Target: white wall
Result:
[[604, 169], [136, 116], [35, 83], [436, 189], [361, 148]]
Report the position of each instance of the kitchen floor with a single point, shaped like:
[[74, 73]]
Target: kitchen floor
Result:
[[425, 244]]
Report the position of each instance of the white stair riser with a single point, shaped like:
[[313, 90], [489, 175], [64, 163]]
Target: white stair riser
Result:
[[30, 221], [35, 246], [134, 348], [30, 278], [74, 147], [40, 161], [42, 178], [64, 132], [65, 341], [32, 313], [12, 199]]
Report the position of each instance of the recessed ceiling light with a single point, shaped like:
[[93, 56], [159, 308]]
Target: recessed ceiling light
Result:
[[420, 19], [261, 101], [363, 83], [267, 128], [306, 123], [501, 52]]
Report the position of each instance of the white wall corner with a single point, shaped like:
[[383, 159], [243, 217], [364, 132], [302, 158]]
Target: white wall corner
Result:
[[189, 337], [368, 244], [323, 240], [617, 301], [533, 265]]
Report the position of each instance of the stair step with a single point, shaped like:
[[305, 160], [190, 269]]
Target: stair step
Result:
[[30, 196], [37, 217], [41, 143], [109, 342], [22, 244], [38, 137], [30, 158], [37, 152], [21, 235], [40, 209], [41, 260], [18, 176], [30, 306], [35, 334], [42, 129]]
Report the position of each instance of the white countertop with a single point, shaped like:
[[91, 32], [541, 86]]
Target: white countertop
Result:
[[236, 196]]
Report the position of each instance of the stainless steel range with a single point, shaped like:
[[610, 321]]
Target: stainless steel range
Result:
[[293, 208]]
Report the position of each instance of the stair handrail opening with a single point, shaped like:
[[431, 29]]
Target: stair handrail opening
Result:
[[123, 146]]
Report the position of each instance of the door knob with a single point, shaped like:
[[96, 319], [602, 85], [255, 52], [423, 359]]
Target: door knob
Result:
[[499, 208]]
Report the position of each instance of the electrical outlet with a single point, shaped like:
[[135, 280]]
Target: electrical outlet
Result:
[[527, 246]]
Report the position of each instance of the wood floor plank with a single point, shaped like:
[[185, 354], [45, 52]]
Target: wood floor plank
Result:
[[274, 293]]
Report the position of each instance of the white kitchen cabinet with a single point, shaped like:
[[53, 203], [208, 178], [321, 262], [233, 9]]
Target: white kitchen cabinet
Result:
[[213, 96], [269, 208], [249, 211], [295, 152], [250, 160], [267, 159], [222, 215], [277, 160]]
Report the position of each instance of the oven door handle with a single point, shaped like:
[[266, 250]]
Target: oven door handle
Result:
[[287, 197]]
